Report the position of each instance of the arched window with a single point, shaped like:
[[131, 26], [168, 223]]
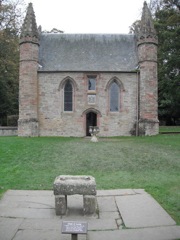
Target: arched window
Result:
[[114, 97], [68, 96]]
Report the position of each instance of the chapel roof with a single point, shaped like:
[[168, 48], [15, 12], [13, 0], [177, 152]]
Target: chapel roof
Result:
[[87, 52]]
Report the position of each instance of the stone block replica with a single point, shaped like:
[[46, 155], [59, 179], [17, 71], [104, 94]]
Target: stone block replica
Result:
[[69, 185]]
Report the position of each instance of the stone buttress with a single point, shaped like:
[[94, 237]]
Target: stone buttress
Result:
[[28, 93], [147, 54]]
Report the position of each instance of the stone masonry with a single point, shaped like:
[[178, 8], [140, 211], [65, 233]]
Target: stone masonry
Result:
[[54, 122], [65, 185], [28, 97], [48, 61], [147, 54]]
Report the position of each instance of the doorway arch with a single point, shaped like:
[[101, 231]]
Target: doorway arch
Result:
[[91, 120]]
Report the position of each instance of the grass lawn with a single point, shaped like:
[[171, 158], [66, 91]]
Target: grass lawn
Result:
[[167, 129], [151, 163]]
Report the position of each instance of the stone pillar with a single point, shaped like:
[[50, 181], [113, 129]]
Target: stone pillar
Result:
[[60, 204], [90, 204]]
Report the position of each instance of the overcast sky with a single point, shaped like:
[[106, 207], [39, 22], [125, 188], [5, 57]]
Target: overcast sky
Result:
[[87, 16]]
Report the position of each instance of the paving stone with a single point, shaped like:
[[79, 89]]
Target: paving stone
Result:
[[157, 233], [102, 224], [109, 215], [75, 209], [142, 210], [76, 217], [55, 224], [40, 224], [74, 206], [29, 193], [75, 201], [8, 227], [28, 201], [93, 224], [139, 191], [115, 192], [44, 235], [26, 212], [106, 204], [119, 222], [31, 215]]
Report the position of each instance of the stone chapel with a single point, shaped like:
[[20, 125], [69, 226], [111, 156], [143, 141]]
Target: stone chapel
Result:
[[69, 82]]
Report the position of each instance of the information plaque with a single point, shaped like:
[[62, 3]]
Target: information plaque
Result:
[[74, 227]]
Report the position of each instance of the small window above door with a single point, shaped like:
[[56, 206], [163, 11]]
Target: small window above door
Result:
[[91, 83]]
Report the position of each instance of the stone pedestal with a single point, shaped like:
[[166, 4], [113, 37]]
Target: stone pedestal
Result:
[[69, 185], [94, 139]]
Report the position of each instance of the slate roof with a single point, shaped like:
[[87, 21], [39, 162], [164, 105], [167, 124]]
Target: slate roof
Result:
[[88, 52]]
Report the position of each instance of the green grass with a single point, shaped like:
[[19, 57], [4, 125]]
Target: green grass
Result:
[[151, 163], [167, 129]]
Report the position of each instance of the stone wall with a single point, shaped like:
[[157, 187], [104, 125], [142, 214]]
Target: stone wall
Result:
[[8, 131], [53, 121]]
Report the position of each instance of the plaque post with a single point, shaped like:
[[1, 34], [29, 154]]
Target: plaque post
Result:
[[74, 237]]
